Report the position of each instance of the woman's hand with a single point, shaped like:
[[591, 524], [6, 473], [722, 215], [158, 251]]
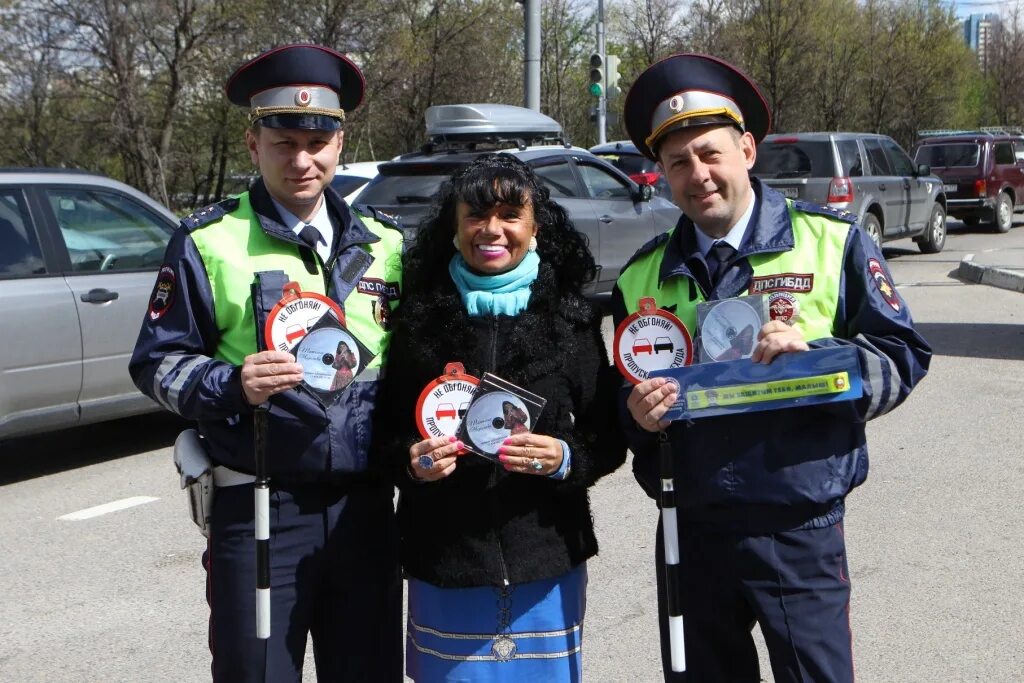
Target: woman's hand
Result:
[[531, 454], [433, 459]]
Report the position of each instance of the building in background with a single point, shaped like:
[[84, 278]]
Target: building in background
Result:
[[979, 34]]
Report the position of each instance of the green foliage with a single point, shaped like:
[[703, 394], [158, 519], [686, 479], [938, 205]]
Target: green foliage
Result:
[[134, 88]]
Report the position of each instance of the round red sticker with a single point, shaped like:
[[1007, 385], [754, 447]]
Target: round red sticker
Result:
[[650, 339]]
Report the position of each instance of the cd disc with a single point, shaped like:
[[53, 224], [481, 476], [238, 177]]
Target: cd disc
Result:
[[329, 357], [494, 417], [729, 330]]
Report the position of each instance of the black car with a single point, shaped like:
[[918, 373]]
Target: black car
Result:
[[623, 155], [617, 214]]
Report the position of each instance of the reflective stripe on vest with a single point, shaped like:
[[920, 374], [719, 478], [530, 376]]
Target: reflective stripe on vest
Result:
[[236, 247], [819, 243]]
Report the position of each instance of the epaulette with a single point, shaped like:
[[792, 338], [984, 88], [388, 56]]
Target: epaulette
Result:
[[648, 247], [209, 214], [810, 207], [385, 219]]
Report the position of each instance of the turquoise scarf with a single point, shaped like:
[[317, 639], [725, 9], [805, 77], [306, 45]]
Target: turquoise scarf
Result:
[[501, 294]]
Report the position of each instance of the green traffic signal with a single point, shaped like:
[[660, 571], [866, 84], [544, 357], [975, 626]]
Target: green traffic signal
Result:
[[595, 89]]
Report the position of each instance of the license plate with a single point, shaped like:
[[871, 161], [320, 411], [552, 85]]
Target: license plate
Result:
[[949, 188], [791, 192]]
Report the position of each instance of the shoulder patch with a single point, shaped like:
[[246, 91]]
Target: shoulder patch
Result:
[[384, 219], [838, 214], [210, 214], [650, 246]]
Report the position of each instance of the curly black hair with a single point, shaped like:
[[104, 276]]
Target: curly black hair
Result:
[[489, 180]]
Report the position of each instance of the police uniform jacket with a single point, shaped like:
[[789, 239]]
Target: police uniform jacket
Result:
[[175, 359], [483, 525], [787, 468]]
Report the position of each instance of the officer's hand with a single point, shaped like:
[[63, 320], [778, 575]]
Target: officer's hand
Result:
[[524, 452], [650, 400], [777, 337], [433, 459], [267, 373]]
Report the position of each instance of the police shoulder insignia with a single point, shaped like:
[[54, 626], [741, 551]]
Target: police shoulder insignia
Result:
[[839, 214], [649, 246], [163, 293], [885, 287], [210, 214]]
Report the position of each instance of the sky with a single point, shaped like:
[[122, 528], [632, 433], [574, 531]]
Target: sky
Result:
[[965, 8]]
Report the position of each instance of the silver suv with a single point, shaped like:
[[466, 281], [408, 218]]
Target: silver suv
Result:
[[866, 174], [616, 214], [78, 258]]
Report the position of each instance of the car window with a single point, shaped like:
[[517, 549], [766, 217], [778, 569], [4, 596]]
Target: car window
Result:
[[791, 158], [901, 163], [879, 164], [1018, 150], [391, 190], [559, 180], [1004, 153], [951, 155], [107, 231], [630, 163], [601, 184], [19, 248], [849, 158]]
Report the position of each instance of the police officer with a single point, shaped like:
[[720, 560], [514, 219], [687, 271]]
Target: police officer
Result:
[[334, 571], [760, 496]]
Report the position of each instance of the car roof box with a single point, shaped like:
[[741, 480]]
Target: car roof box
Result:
[[491, 123]]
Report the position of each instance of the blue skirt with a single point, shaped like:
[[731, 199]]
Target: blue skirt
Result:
[[529, 632]]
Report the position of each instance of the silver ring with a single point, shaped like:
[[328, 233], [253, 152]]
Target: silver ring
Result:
[[425, 462], [536, 465]]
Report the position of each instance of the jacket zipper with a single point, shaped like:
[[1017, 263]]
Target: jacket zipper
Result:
[[494, 472]]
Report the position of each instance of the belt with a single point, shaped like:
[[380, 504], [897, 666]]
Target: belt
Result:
[[225, 476]]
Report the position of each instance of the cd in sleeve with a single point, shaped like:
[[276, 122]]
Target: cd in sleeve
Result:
[[331, 358], [498, 410], [728, 328]]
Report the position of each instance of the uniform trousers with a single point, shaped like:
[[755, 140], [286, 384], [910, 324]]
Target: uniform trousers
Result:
[[794, 584], [334, 574]]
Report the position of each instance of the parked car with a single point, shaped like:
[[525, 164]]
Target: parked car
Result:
[[982, 175], [623, 155], [866, 174], [350, 179], [78, 258], [617, 214]]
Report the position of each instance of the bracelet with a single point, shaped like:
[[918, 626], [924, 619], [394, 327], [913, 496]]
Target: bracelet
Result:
[[412, 475]]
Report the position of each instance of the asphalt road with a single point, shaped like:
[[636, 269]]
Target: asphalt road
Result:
[[934, 553]]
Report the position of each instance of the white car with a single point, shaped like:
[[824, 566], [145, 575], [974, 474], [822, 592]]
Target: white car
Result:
[[350, 179]]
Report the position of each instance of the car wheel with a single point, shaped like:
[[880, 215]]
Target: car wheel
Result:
[[934, 237], [872, 228], [1002, 218]]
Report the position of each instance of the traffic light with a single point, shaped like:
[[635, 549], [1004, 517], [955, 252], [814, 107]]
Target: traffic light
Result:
[[597, 79], [612, 75]]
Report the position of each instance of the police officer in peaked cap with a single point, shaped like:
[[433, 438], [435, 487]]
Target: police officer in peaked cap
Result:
[[203, 353], [759, 496]]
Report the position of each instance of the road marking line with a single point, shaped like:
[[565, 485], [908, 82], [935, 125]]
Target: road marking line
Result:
[[114, 506]]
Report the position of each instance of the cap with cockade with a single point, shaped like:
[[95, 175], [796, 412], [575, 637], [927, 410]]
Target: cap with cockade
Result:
[[308, 87], [688, 90]]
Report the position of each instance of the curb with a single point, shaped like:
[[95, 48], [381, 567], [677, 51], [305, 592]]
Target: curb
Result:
[[989, 275]]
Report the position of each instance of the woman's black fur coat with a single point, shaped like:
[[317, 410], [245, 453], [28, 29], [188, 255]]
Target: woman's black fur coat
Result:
[[483, 525]]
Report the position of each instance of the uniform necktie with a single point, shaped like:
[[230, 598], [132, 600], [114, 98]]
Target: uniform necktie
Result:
[[311, 236], [718, 259]]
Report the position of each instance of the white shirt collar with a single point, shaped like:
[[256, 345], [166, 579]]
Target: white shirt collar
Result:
[[321, 221], [737, 233]]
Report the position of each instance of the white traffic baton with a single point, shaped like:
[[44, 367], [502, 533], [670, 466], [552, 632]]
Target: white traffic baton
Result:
[[261, 492], [670, 535]]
